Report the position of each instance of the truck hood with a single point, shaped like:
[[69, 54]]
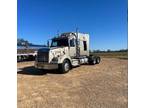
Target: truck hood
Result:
[[58, 51]]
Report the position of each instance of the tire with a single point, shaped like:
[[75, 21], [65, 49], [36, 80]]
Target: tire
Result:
[[22, 58], [92, 60], [98, 60], [64, 67]]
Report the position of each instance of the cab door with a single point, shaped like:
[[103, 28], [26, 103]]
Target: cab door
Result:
[[72, 47]]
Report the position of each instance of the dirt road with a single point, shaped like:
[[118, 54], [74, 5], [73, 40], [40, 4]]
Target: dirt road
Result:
[[100, 86]]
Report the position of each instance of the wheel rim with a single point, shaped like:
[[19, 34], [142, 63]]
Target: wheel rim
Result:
[[98, 60], [66, 66], [94, 62]]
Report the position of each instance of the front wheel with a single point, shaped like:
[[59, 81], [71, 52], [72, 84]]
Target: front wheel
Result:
[[65, 66]]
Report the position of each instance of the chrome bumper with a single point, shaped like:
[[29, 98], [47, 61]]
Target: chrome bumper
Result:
[[43, 65]]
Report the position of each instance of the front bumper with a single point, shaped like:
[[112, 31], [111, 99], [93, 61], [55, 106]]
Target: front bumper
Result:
[[43, 65]]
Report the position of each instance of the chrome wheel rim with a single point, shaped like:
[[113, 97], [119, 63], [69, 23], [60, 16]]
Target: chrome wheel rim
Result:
[[98, 60], [66, 66], [94, 62]]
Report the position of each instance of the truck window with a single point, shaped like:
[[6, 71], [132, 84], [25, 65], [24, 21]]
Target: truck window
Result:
[[72, 42], [85, 45], [59, 42]]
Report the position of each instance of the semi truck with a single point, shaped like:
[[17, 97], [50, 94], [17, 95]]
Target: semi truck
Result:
[[68, 50]]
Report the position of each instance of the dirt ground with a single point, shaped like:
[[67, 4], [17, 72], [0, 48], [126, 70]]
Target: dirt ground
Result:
[[100, 86]]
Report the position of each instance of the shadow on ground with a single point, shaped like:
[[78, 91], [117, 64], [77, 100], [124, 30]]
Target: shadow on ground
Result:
[[31, 70]]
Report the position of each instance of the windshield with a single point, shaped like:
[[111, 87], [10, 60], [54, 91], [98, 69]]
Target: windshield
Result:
[[59, 42]]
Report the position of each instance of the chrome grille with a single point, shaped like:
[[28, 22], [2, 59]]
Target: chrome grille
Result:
[[42, 55]]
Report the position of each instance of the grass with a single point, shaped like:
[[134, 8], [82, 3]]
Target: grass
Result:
[[120, 55]]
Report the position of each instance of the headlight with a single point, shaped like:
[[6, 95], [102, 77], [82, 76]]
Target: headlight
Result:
[[55, 59]]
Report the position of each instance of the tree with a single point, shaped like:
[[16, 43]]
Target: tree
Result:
[[108, 50]]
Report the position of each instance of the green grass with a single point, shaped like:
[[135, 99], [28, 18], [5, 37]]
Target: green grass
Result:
[[120, 55]]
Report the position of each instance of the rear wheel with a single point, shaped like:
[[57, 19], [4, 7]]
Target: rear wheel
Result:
[[94, 60], [65, 66], [98, 60]]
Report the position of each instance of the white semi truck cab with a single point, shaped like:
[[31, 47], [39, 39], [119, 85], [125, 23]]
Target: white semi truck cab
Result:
[[66, 51]]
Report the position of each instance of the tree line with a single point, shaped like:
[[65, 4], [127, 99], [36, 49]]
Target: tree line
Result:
[[108, 50], [26, 43]]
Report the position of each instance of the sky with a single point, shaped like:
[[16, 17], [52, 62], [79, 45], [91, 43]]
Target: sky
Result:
[[104, 20]]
